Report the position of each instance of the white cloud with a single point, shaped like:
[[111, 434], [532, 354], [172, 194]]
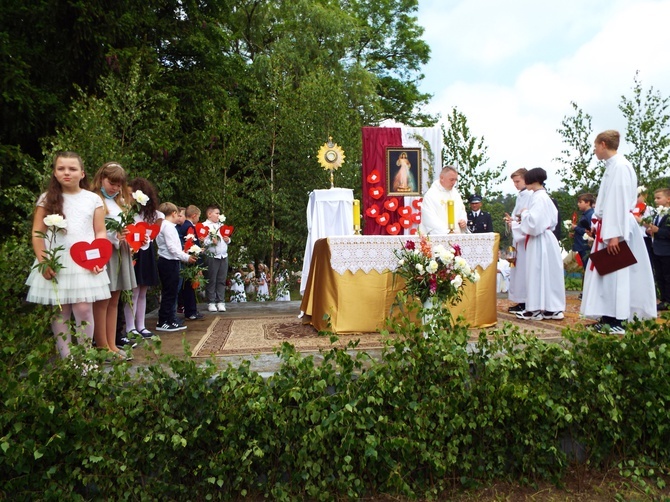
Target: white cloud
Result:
[[513, 67]]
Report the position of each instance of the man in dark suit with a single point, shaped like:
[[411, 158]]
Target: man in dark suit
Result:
[[478, 221], [659, 230]]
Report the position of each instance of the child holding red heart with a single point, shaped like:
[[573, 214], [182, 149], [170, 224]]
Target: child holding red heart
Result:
[[110, 184], [76, 287], [216, 260], [146, 270]]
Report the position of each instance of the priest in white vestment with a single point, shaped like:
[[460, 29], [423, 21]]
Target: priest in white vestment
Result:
[[434, 206], [629, 292], [545, 284]]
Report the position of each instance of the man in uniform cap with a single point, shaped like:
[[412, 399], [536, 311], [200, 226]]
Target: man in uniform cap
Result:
[[478, 221]]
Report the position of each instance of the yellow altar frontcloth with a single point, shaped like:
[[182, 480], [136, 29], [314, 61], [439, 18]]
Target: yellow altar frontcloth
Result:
[[341, 301]]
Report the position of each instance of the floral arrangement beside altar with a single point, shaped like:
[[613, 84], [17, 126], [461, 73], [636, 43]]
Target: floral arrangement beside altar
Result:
[[433, 274]]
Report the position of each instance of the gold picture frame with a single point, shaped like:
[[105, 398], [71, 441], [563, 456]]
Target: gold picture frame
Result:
[[403, 171]]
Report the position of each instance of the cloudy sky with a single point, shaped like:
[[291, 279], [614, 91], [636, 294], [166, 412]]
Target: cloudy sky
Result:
[[512, 67]]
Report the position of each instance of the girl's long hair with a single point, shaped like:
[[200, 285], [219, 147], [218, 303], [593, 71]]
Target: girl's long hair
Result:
[[116, 174], [53, 199], [148, 212]]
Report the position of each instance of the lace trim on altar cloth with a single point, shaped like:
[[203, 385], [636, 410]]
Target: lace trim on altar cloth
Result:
[[375, 252]]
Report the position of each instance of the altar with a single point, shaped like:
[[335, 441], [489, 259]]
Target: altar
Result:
[[351, 287]]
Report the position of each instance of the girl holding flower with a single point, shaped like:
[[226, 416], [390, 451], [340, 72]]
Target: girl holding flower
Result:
[[65, 214], [110, 184], [146, 270]]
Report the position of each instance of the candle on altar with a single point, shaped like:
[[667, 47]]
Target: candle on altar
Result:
[[450, 215], [357, 214]]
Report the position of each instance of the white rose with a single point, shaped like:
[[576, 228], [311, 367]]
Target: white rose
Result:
[[475, 276], [401, 262], [195, 250], [432, 267], [140, 197], [457, 281], [55, 220], [419, 268], [567, 224], [222, 218]]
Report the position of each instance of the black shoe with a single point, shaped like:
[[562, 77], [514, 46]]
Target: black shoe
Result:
[[195, 316], [662, 306], [521, 307], [124, 341], [169, 326]]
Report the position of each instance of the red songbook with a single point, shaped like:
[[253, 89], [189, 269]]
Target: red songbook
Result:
[[606, 263]]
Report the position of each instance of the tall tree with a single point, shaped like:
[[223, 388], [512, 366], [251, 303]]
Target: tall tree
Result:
[[648, 131], [582, 171], [469, 154]]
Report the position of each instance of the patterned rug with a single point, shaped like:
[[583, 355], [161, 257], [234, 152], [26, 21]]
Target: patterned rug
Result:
[[226, 337]]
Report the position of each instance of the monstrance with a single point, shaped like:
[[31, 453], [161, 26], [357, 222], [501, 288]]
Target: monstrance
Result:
[[331, 156]]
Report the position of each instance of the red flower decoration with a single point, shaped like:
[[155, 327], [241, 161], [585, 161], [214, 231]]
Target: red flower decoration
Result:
[[391, 204], [393, 229], [376, 192], [372, 211], [411, 245], [382, 219], [373, 177], [457, 249]]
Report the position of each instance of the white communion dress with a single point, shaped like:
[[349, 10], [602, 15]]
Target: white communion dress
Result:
[[75, 283]]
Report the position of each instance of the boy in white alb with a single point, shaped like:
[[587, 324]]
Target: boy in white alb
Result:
[[170, 254], [618, 296], [517, 275], [216, 260]]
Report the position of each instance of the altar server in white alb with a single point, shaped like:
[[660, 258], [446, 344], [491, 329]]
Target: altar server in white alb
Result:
[[517, 277], [434, 206], [621, 295], [545, 287]]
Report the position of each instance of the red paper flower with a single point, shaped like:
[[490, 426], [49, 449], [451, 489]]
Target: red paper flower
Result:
[[391, 204], [373, 177], [376, 192], [372, 211]]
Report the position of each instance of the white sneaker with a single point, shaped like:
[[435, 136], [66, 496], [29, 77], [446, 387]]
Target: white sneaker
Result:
[[212, 307], [221, 306]]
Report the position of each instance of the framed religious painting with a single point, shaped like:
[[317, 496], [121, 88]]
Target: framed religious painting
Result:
[[403, 171]]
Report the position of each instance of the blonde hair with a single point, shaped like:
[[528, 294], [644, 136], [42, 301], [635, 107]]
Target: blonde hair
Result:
[[167, 208]]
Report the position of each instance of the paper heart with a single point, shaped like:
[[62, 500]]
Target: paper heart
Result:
[[201, 230], [393, 229], [391, 204], [135, 236], [93, 254], [152, 230], [413, 231], [226, 230], [417, 204], [376, 192], [405, 222], [382, 219], [404, 211], [373, 177], [372, 211], [416, 217]]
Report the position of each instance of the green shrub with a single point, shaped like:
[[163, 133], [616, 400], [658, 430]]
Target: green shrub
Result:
[[434, 414]]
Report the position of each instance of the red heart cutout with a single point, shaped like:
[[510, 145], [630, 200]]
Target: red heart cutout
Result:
[[416, 217], [404, 211], [91, 255], [135, 236], [413, 231], [405, 222], [152, 230], [391, 204], [382, 219], [376, 192], [393, 229], [201, 230], [226, 230], [373, 177], [188, 244], [417, 204], [372, 211]]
